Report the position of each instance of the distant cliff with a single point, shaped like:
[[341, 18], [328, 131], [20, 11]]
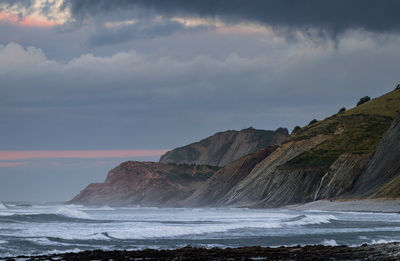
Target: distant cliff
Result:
[[225, 147], [146, 184]]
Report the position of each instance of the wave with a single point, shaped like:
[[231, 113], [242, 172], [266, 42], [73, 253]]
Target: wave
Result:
[[41, 218], [329, 242], [2, 206], [72, 213], [383, 241], [165, 230], [310, 220]]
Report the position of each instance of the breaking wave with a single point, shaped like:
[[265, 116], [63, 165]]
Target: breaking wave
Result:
[[61, 215], [72, 213]]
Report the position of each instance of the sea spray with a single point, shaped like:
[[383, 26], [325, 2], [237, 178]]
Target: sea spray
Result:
[[72, 213]]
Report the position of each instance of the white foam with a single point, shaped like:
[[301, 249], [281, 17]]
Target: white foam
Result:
[[313, 220], [2, 206], [161, 230], [329, 242], [73, 213], [105, 208], [383, 241], [46, 242], [55, 252]]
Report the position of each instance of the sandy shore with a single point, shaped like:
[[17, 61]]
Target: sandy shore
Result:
[[389, 251], [367, 205]]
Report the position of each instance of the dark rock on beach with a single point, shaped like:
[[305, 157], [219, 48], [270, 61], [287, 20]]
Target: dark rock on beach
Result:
[[389, 251]]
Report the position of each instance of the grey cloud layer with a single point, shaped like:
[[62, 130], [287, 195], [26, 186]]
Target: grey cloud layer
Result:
[[332, 16], [144, 100]]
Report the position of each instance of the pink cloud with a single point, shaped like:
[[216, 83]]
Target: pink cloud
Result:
[[12, 164], [77, 154], [27, 21]]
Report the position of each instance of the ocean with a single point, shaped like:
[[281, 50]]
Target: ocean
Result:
[[40, 229]]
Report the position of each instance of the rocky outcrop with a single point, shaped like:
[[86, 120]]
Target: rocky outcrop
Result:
[[341, 176], [250, 190], [225, 147], [382, 175], [216, 187], [291, 185], [145, 184]]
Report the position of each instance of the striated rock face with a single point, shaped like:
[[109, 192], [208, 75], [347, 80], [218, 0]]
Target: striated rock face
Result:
[[382, 175], [250, 190], [292, 185], [146, 184], [216, 187], [225, 147], [326, 159], [341, 176]]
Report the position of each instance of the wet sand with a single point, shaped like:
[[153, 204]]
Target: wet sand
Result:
[[389, 251]]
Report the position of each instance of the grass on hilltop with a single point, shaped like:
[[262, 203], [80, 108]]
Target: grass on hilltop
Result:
[[356, 131]]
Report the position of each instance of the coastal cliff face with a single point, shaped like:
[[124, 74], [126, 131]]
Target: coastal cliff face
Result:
[[352, 154], [146, 184], [325, 159], [250, 190], [381, 177], [225, 147], [215, 188]]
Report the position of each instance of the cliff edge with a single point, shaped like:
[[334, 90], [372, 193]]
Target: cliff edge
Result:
[[224, 147]]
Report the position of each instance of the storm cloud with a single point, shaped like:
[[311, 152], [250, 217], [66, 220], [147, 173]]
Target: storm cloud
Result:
[[332, 17]]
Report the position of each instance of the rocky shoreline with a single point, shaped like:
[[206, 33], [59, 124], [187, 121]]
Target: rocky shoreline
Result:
[[387, 251]]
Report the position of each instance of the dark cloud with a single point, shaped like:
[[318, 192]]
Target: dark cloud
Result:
[[133, 100], [138, 30], [331, 16]]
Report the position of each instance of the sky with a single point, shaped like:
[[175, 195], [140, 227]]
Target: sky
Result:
[[85, 85]]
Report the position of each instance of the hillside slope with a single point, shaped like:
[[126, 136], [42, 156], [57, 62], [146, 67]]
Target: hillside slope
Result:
[[225, 147], [145, 184], [323, 159]]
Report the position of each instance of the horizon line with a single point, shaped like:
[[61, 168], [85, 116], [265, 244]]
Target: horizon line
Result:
[[84, 154]]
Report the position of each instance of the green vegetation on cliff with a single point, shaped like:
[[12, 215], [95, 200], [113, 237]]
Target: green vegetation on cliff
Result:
[[356, 131]]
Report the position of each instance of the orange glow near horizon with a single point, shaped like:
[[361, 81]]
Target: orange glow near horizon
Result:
[[27, 21], [11, 164], [77, 154]]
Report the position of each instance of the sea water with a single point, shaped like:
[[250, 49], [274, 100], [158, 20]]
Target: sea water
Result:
[[47, 229]]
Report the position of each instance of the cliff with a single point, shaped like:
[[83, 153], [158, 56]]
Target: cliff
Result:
[[326, 159], [381, 177], [145, 184], [215, 188], [352, 154], [225, 147]]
